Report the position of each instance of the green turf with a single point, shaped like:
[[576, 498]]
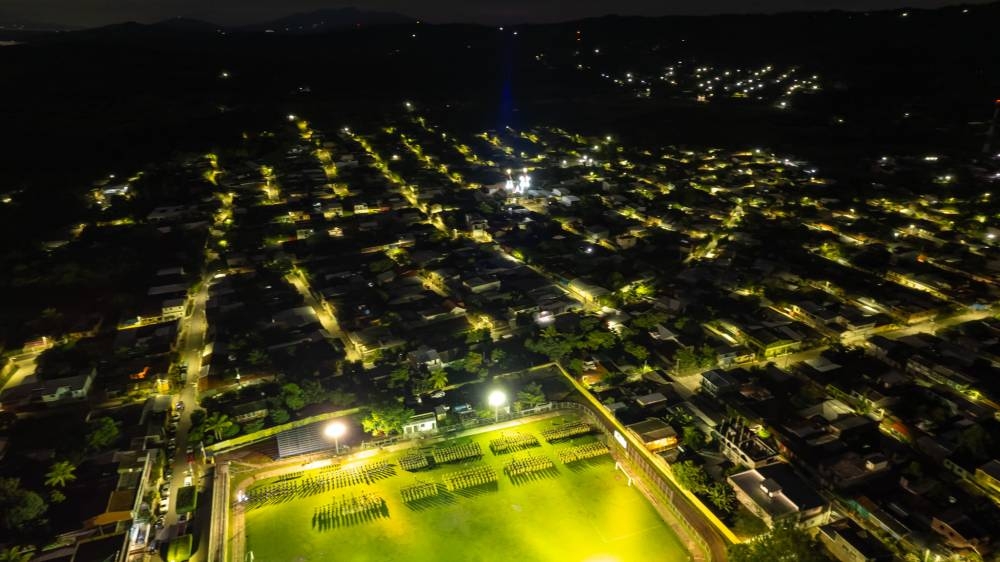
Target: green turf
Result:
[[583, 512]]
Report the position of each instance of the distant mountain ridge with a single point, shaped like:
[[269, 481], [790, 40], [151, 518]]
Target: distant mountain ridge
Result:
[[329, 19], [300, 23], [15, 25], [188, 24], [334, 19]]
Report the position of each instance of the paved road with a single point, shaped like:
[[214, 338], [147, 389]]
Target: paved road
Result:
[[328, 320], [190, 350], [689, 384]]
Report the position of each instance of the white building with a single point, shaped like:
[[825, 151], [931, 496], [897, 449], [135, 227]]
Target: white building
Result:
[[421, 424]]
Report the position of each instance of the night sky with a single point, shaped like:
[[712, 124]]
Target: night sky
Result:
[[100, 12]]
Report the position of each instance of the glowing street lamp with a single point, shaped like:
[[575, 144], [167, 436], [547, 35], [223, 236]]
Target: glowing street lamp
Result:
[[335, 430], [496, 399]]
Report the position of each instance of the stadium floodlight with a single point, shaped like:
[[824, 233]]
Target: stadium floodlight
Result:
[[335, 430], [496, 399]]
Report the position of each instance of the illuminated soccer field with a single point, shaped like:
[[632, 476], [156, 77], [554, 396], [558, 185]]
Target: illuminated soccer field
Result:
[[583, 511]]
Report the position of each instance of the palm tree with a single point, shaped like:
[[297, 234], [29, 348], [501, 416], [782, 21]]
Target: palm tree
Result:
[[217, 424], [438, 379], [16, 554], [60, 474]]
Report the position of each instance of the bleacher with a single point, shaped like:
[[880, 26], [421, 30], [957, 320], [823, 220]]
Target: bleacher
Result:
[[302, 440]]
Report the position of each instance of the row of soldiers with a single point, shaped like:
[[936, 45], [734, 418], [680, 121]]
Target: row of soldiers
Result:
[[582, 452], [457, 453], [470, 478], [566, 431], [517, 467], [512, 441]]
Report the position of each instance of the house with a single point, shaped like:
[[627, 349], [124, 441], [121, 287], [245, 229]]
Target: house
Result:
[[771, 344], [775, 493], [988, 476], [420, 424], [482, 284], [848, 542], [626, 241], [960, 532], [169, 289], [940, 372], [852, 469], [730, 355], [717, 383], [374, 339], [587, 291], [167, 213], [655, 433], [596, 233], [814, 313], [425, 356], [173, 308], [67, 388], [477, 223], [249, 411], [742, 445], [170, 271], [656, 399]]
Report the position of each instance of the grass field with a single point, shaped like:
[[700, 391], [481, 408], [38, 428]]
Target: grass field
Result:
[[579, 512]]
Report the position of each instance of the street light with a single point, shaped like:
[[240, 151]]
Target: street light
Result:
[[496, 399], [335, 430]]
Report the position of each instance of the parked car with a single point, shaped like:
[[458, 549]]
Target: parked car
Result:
[[438, 394]]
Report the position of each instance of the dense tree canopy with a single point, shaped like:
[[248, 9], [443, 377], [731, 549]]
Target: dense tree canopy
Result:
[[387, 419], [784, 543], [103, 433], [19, 508]]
